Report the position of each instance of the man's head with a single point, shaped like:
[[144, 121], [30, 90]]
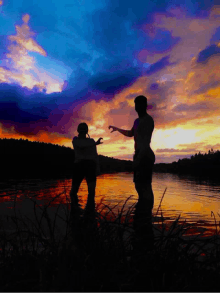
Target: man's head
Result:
[[82, 128], [140, 104]]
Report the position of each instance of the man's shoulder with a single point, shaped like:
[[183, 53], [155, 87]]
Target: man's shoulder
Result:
[[136, 121], [147, 121], [149, 118]]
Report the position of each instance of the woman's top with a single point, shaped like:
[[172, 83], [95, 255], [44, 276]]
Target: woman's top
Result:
[[85, 149]]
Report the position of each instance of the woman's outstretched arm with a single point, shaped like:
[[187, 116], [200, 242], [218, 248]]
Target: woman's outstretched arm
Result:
[[81, 144], [99, 141]]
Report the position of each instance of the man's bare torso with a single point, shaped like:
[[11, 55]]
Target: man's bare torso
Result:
[[143, 129]]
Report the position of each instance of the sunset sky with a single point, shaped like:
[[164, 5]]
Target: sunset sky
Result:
[[71, 61]]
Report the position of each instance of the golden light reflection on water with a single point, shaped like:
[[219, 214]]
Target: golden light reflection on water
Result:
[[192, 200]]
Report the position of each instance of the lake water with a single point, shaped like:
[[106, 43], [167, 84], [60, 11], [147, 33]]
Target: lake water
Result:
[[193, 200]]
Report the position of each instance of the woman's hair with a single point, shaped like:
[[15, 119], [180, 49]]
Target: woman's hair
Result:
[[83, 127]]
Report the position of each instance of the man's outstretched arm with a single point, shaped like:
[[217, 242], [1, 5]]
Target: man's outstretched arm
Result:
[[128, 133]]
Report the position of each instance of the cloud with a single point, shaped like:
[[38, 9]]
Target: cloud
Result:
[[114, 82], [170, 158], [113, 28], [195, 108], [162, 63], [9, 131], [203, 7], [120, 78], [10, 111], [196, 145], [207, 53], [115, 40], [18, 66], [175, 150], [3, 47], [207, 86], [185, 84], [216, 36], [161, 41], [41, 17], [22, 108], [215, 147]]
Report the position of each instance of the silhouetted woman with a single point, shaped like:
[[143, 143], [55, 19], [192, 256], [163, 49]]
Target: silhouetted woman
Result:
[[86, 166]]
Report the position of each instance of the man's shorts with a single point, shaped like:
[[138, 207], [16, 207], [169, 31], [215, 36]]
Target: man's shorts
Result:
[[143, 173]]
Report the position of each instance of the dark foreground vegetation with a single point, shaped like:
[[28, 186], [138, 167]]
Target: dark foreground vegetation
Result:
[[23, 158], [100, 252], [207, 164]]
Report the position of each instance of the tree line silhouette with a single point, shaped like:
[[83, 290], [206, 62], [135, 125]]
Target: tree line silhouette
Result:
[[207, 164], [24, 158]]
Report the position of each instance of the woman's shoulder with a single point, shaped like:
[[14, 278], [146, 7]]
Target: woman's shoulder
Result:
[[90, 141], [86, 140]]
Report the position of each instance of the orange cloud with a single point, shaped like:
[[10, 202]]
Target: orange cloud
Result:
[[186, 90], [19, 63], [42, 136]]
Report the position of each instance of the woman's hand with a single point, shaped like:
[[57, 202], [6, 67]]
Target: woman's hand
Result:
[[113, 128], [99, 141]]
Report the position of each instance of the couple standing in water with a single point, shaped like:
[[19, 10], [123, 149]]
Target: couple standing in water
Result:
[[86, 161]]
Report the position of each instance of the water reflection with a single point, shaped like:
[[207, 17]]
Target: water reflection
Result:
[[189, 197]]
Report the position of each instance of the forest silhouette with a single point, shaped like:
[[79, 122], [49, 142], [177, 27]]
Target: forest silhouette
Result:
[[24, 158], [206, 164]]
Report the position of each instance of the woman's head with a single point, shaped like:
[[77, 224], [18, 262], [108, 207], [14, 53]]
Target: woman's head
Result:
[[82, 128]]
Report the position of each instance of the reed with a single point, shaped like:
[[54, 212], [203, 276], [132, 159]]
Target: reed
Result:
[[50, 250]]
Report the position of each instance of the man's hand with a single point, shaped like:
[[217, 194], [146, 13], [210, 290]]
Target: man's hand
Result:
[[99, 141], [113, 128]]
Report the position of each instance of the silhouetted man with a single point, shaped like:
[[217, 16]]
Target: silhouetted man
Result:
[[143, 159]]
